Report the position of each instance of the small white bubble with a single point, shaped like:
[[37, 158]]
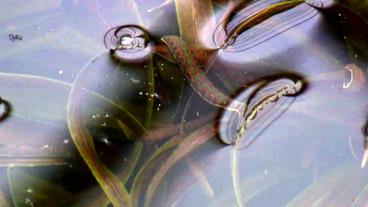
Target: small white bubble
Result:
[[29, 190], [105, 140], [356, 55], [53, 30], [94, 116], [141, 93], [339, 14], [66, 141], [197, 114], [107, 115], [60, 72], [265, 172], [104, 124], [126, 42], [172, 78]]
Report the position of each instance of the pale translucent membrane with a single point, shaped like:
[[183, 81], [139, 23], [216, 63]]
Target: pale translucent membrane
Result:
[[231, 122], [267, 29]]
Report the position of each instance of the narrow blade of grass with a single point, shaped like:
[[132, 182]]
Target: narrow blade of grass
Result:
[[190, 143], [110, 183]]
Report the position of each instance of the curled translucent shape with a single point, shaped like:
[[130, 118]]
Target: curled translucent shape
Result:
[[128, 42], [266, 29], [264, 103]]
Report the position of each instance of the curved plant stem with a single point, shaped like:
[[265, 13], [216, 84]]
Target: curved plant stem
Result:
[[150, 164], [151, 91], [172, 130], [190, 143], [235, 176], [201, 178], [66, 87], [192, 17], [111, 185], [4, 201]]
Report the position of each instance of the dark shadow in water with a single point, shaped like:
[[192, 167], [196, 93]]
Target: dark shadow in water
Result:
[[365, 134], [352, 29], [352, 26], [7, 109]]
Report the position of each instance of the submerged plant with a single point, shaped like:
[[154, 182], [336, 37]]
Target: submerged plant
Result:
[[134, 122]]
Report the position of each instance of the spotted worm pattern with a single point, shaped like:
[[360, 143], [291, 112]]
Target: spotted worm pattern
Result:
[[198, 80]]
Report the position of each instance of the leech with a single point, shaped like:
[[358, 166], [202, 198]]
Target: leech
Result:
[[284, 91], [197, 78]]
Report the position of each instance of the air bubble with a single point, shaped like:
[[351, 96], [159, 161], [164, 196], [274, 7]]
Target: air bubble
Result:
[[127, 37]]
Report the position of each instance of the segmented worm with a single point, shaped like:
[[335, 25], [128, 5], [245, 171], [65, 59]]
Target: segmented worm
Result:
[[284, 91], [197, 78]]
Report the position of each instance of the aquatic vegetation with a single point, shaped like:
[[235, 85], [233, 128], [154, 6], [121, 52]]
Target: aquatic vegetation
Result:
[[104, 104]]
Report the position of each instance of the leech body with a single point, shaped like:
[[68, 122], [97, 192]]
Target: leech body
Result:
[[197, 78], [284, 91], [261, 16], [209, 92]]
